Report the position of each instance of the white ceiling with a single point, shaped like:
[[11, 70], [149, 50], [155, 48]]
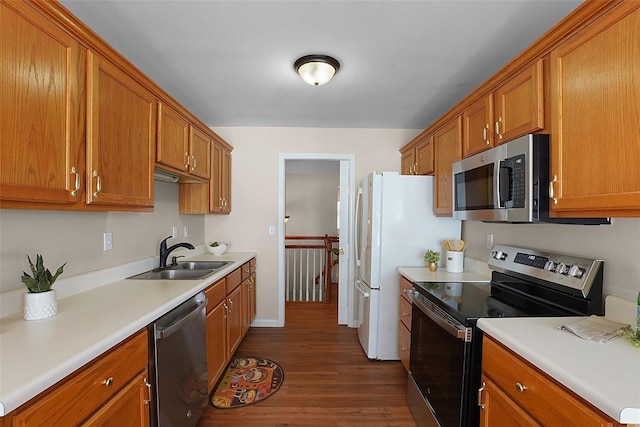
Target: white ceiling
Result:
[[403, 63]]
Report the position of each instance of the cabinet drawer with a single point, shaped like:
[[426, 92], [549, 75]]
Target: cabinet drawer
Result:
[[246, 270], [405, 312], [404, 344], [82, 393], [540, 396], [233, 280], [253, 265], [404, 286], [215, 294]]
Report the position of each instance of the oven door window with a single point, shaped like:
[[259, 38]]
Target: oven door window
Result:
[[437, 367], [474, 189]]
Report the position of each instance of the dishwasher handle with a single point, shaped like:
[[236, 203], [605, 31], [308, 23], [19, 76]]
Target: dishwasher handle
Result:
[[167, 331]]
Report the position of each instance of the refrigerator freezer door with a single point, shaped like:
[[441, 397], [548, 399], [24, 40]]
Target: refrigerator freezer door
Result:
[[367, 303]]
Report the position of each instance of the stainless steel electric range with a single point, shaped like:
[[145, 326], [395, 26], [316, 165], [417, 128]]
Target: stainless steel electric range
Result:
[[446, 345]]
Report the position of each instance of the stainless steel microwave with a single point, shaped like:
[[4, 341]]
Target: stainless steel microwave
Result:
[[508, 183]]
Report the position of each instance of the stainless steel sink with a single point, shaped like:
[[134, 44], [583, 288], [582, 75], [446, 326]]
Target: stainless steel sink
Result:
[[199, 265], [172, 274], [186, 270]]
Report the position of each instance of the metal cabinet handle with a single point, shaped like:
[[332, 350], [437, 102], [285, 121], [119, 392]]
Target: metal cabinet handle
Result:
[[551, 192], [146, 383], [226, 309], [77, 181], [480, 390], [485, 134], [107, 382], [186, 155], [193, 161], [520, 387], [230, 305], [498, 127], [405, 314], [98, 184]]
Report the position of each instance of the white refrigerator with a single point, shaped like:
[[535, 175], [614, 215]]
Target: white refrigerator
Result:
[[395, 225]]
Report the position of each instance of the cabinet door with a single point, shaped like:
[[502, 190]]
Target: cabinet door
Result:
[[200, 149], [234, 321], [478, 131], [42, 119], [215, 198], [404, 345], [120, 138], [595, 92], [225, 181], [519, 104], [253, 300], [408, 162], [173, 139], [424, 156], [448, 147], [498, 410], [216, 343], [130, 407]]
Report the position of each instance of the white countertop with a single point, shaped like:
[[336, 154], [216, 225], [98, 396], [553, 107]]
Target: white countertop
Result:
[[417, 274], [606, 375], [37, 354]]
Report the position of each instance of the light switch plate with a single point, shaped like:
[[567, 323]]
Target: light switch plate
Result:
[[107, 241]]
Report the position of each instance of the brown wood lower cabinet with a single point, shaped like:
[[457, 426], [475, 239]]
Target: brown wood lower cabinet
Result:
[[516, 393], [111, 390], [230, 311], [404, 323]]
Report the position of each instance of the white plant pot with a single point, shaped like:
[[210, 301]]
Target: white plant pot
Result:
[[40, 305]]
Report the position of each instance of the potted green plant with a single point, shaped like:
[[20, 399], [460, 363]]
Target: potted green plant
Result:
[[40, 301], [432, 258]]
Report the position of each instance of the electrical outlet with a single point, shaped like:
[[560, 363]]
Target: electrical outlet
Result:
[[107, 241], [174, 232], [489, 241], [272, 230], [185, 230]]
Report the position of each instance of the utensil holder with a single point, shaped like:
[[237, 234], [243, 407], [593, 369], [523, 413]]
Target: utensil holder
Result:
[[455, 262]]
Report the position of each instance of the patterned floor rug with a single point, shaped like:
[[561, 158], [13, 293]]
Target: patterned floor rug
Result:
[[247, 380]]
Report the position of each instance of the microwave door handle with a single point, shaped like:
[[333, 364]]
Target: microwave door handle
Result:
[[504, 184], [497, 201]]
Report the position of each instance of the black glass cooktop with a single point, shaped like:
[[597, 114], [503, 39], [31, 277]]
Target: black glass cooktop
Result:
[[466, 301]]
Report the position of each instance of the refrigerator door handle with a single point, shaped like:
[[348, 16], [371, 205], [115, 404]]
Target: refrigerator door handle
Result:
[[360, 288], [357, 227]]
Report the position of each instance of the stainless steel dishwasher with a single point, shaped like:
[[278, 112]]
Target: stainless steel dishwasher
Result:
[[179, 364]]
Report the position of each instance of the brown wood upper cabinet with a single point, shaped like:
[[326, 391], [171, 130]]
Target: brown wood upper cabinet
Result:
[[120, 137], [595, 115], [43, 111], [519, 104], [214, 197], [181, 148], [448, 149], [478, 126], [514, 109], [417, 157]]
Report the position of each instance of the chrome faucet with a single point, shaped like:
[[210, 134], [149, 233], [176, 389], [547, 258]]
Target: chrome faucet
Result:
[[164, 251]]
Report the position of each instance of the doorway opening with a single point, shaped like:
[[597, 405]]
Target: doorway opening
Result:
[[315, 200]]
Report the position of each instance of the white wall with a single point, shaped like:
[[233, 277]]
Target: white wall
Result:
[[311, 202], [76, 237], [617, 244], [255, 187]]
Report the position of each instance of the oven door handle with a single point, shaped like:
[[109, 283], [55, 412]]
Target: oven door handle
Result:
[[458, 330]]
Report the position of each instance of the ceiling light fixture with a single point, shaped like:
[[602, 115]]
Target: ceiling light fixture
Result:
[[316, 69]]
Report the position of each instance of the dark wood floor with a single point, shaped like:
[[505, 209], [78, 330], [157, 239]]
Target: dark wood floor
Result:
[[328, 379]]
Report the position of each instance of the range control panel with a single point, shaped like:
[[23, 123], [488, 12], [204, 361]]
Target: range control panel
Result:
[[566, 270]]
